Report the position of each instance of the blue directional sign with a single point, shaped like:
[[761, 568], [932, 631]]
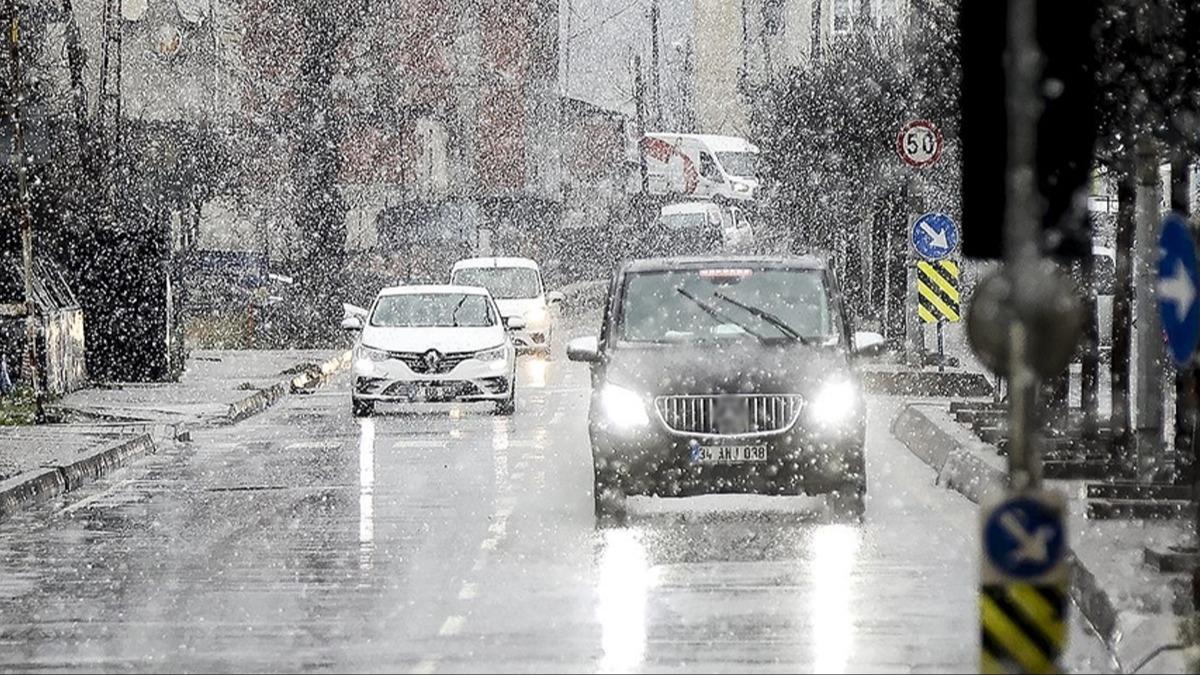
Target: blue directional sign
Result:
[[1023, 538], [935, 236], [1177, 283]]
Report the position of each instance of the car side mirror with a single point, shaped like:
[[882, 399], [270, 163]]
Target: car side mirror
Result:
[[514, 322], [555, 297], [584, 350], [352, 323], [869, 343]]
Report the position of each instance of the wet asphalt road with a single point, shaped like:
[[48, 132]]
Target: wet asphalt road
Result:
[[450, 540]]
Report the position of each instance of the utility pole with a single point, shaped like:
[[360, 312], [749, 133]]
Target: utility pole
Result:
[[639, 95], [914, 330], [656, 63], [24, 215], [567, 49], [1089, 380], [1149, 386]]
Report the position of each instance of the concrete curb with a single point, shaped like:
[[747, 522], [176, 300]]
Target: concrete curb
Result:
[[45, 483], [304, 383], [1129, 637], [903, 382]]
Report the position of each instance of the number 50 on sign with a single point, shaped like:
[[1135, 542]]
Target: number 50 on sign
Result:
[[920, 144]]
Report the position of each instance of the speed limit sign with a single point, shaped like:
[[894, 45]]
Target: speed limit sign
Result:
[[920, 144]]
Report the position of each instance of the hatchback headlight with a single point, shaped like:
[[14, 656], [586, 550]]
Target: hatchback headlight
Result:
[[493, 354], [622, 407], [835, 404]]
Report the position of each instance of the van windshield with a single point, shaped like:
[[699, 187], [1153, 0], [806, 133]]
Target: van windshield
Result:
[[711, 304], [741, 164], [683, 221], [504, 283]]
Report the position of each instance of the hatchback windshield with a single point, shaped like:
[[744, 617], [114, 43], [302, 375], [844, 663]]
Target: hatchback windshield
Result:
[[701, 304], [433, 310], [503, 282]]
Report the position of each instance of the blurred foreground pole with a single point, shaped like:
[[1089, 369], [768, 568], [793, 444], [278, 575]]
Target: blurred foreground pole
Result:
[[24, 216], [1021, 242], [1148, 423]]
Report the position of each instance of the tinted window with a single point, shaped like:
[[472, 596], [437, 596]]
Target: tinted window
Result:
[[708, 167], [433, 309], [657, 307]]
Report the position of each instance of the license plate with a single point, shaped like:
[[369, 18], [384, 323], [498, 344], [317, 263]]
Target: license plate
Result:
[[728, 454], [439, 393]]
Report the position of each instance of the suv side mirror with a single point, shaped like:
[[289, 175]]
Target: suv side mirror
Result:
[[584, 350], [514, 322], [868, 343], [555, 297], [352, 323]]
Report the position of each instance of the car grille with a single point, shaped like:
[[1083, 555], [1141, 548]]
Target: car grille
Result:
[[729, 414], [418, 363]]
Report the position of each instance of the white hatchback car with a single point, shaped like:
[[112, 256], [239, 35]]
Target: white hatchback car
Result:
[[433, 344], [516, 283]]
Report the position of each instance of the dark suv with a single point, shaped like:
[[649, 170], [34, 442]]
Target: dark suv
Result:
[[726, 375]]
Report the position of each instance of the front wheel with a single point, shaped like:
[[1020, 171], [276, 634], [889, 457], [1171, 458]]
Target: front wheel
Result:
[[608, 498], [509, 405], [362, 408]]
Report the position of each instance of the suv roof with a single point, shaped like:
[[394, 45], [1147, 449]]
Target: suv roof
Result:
[[698, 262]]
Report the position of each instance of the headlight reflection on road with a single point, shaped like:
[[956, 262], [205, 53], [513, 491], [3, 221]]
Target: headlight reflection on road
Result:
[[836, 551], [536, 370], [366, 491], [625, 580]]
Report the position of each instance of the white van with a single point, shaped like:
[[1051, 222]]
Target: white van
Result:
[[701, 166], [516, 284]]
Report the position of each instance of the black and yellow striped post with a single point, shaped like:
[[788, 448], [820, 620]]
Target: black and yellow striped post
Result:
[[1023, 594], [939, 298]]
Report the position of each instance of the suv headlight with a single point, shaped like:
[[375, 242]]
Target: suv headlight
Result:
[[836, 403], [493, 354], [371, 354], [623, 408]]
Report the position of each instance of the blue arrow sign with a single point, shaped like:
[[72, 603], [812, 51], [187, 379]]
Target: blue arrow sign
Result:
[[1023, 538], [935, 236], [1177, 283]]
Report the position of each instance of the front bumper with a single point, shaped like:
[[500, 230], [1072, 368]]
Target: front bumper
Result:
[[471, 380], [655, 462]]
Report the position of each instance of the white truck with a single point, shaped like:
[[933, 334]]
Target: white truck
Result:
[[701, 166]]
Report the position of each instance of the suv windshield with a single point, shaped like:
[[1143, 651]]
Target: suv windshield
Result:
[[433, 310], [705, 304], [505, 283], [741, 164]]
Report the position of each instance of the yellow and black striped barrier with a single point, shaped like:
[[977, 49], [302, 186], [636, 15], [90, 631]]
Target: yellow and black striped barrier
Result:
[[1024, 628], [938, 296]]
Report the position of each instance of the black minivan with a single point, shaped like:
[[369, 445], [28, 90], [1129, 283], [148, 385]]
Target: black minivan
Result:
[[722, 374]]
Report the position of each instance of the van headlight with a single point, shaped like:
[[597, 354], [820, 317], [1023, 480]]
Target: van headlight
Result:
[[742, 188], [835, 404], [623, 408], [493, 354], [535, 316]]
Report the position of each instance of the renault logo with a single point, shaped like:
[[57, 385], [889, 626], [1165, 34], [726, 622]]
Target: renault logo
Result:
[[432, 359]]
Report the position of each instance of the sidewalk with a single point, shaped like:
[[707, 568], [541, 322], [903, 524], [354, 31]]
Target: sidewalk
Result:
[[1136, 610], [107, 427]]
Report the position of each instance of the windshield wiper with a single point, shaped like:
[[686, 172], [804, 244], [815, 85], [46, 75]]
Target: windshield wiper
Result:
[[718, 315], [454, 314], [770, 318]]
